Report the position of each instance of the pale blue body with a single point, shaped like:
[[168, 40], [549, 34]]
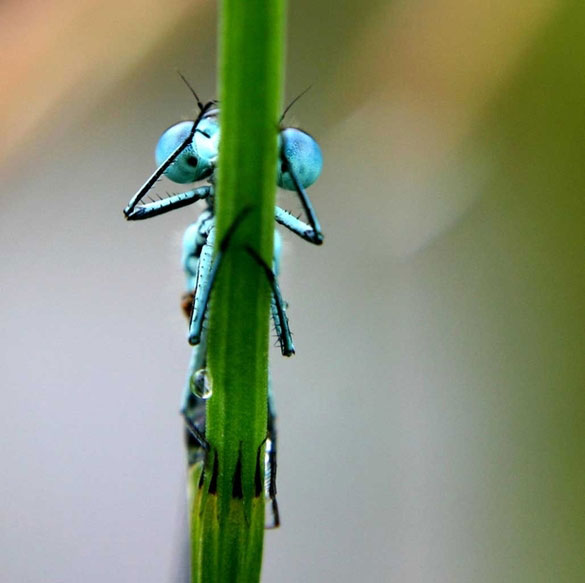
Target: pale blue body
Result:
[[187, 152]]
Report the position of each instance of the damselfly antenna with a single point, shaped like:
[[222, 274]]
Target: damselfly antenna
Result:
[[292, 103], [191, 89]]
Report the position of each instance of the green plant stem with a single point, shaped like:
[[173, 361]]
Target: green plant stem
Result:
[[227, 525]]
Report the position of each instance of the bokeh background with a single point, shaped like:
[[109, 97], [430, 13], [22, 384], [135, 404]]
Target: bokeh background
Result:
[[432, 423]]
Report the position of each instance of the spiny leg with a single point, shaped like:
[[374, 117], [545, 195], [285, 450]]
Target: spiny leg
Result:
[[207, 277], [296, 225], [310, 232], [280, 319], [206, 272], [194, 239], [137, 212], [277, 307]]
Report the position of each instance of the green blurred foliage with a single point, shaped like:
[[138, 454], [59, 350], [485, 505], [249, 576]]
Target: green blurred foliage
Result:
[[506, 293]]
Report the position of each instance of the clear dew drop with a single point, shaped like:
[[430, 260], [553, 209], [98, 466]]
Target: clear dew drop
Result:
[[201, 384]]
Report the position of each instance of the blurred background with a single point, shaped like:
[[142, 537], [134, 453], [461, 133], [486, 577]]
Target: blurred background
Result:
[[432, 423]]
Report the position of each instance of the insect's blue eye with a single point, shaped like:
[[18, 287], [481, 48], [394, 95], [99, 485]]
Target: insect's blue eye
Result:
[[183, 169], [208, 126], [196, 161], [299, 151]]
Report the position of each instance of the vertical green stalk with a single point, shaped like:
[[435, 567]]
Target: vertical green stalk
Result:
[[227, 520]]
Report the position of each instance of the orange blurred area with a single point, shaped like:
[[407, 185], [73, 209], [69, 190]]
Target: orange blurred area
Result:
[[62, 55]]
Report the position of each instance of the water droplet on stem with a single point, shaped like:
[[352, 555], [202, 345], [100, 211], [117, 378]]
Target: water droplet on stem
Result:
[[201, 384]]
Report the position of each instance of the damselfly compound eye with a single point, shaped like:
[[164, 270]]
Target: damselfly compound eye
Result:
[[300, 152], [182, 169], [197, 159]]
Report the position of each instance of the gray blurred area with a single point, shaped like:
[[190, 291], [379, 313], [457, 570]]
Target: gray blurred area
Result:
[[432, 421]]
